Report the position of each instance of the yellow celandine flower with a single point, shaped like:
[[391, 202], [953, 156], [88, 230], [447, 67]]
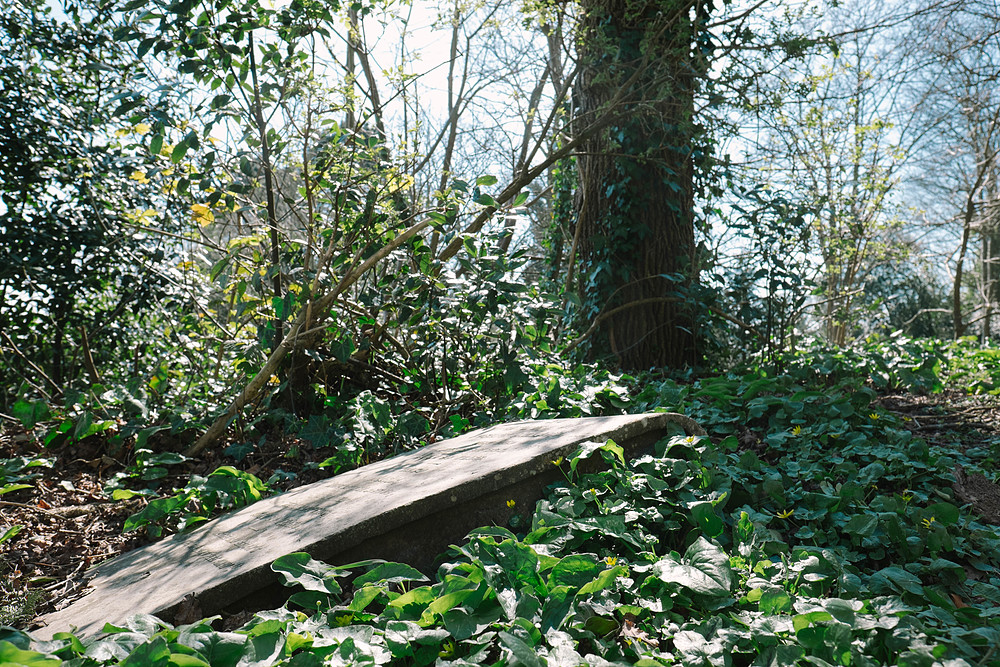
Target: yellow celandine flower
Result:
[[557, 461], [784, 514], [927, 522], [873, 416], [796, 430], [511, 503], [611, 560]]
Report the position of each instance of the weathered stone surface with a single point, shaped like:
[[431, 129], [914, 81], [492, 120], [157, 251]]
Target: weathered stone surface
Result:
[[408, 508]]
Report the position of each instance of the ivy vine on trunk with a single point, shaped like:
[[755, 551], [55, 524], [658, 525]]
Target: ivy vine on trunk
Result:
[[635, 206]]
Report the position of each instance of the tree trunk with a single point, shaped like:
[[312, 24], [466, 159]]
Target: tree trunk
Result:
[[990, 257], [636, 199]]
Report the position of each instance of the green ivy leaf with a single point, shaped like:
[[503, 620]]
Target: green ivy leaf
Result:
[[11, 655], [390, 573], [30, 413], [522, 652], [575, 570], [153, 653], [775, 601], [705, 518], [313, 575], [704, 569]]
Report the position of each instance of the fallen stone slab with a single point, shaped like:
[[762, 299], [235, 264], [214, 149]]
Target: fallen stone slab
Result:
[[408, 509]]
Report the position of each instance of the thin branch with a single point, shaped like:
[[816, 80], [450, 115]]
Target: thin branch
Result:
[[314, 308], [13, 346]]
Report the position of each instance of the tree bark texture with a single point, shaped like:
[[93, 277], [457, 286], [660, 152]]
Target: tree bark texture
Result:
[[636, 196]]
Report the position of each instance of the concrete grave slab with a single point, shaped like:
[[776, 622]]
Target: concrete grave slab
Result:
[[408, 509]]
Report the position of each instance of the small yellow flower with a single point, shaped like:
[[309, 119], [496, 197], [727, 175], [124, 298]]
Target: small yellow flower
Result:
[[928, 522], [557, 461], [796, 430], [784, 514], [511, 503], [873, 416], [611, 560]]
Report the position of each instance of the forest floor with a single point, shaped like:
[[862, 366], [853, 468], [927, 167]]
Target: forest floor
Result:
[[70, 523]]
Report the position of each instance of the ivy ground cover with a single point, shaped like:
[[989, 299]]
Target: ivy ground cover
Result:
[[811, 528]]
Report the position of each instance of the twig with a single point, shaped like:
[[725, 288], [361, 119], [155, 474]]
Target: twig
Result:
[[10, 503], [88, 358], [34, 367]]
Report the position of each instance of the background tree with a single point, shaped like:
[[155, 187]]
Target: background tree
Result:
[[634, 236], [838, 144], [958, 173]]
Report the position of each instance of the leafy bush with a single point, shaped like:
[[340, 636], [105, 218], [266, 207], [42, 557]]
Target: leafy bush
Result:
[[224, 488]]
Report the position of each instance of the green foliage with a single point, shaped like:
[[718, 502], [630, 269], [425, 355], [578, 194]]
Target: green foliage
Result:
[[768, 284], [16, 472], [72, 269], [810, 528], [203, 497], [120, 414], [899, 363]]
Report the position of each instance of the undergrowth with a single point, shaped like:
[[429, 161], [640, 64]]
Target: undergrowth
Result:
[[811, 527]]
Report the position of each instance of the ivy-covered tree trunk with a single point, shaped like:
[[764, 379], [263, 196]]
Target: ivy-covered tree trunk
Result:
[[636, 241]]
